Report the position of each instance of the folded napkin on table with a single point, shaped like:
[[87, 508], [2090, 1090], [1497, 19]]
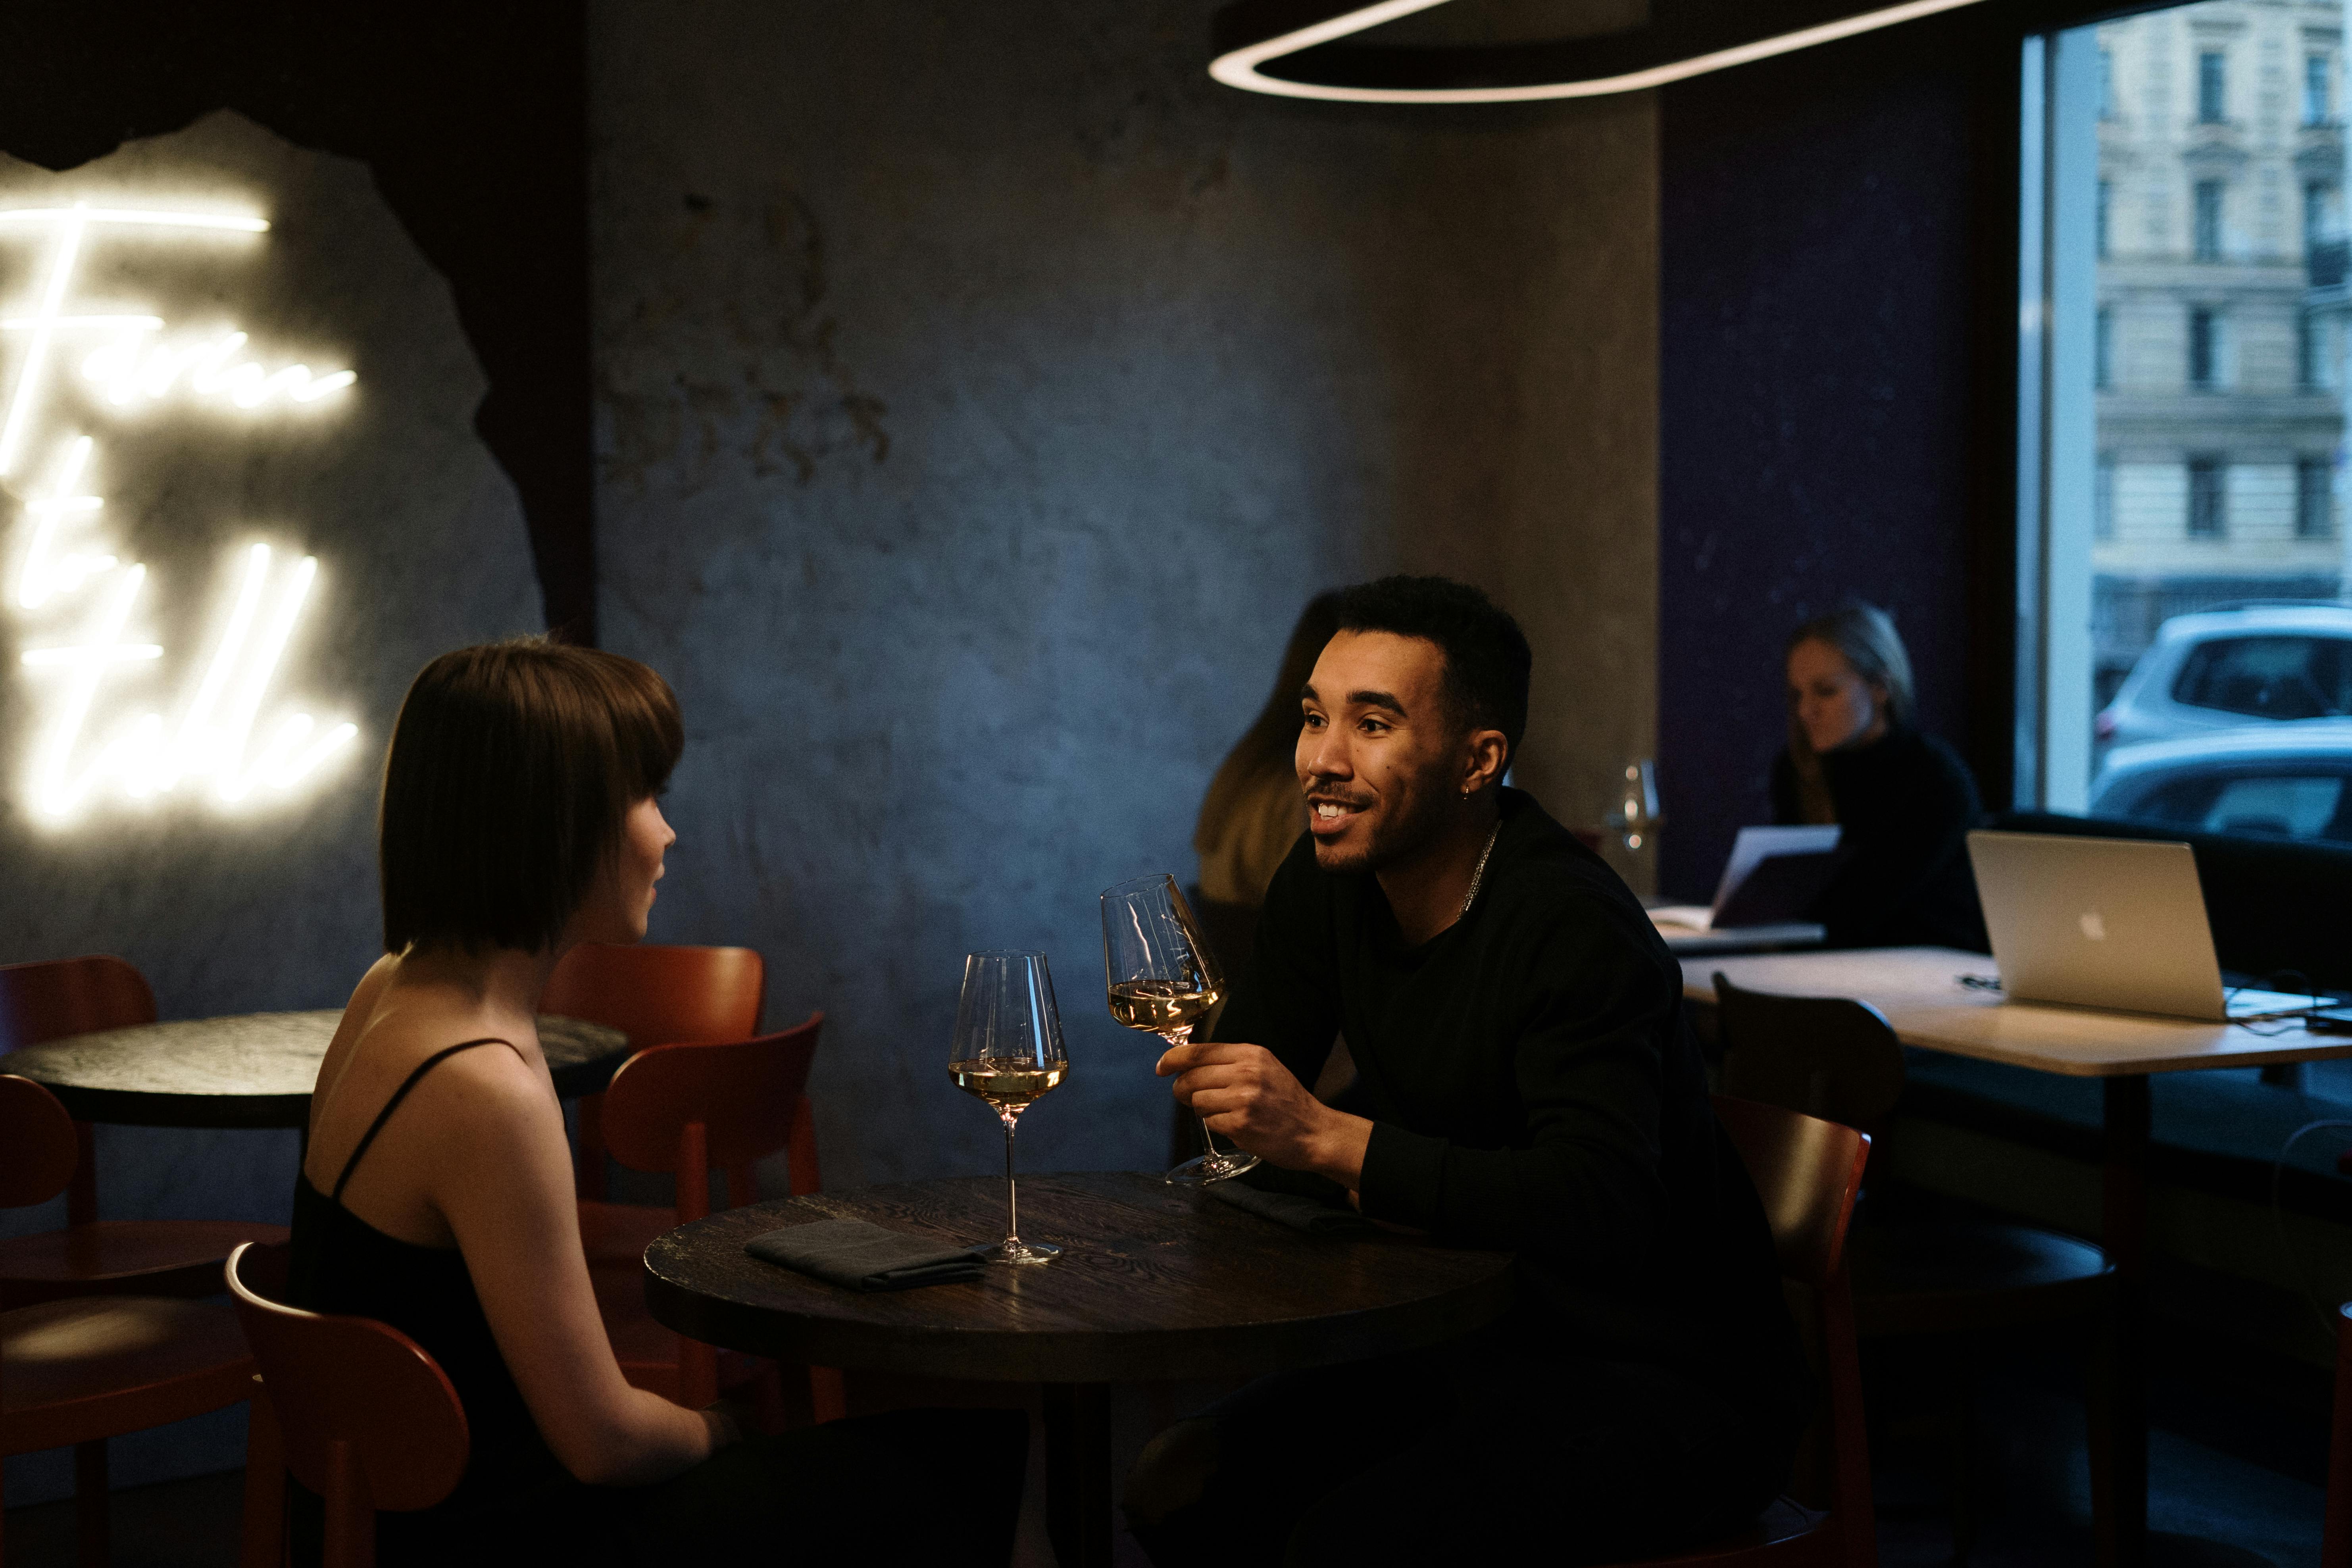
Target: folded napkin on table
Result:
[[861, 1257], [1310, 1214]]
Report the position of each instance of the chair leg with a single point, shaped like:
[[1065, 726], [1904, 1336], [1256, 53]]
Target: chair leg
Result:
[[90, 1543], [264, 1542]]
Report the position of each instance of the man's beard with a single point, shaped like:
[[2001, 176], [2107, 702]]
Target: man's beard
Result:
[[1411, 824]]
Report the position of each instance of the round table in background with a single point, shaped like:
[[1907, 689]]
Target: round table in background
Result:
[[254, 1070], [1154, 1282]]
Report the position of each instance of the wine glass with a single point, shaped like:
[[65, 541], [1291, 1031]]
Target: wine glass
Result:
[[1008, 1052], [1162, 979]]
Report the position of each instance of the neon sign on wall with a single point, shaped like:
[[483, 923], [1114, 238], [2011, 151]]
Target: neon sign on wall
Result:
[[67, 582]]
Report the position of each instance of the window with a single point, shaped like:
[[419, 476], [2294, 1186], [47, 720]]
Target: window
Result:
[[2180, 422], [2268, 676], [2314, 499], [2210, 84], [2209, 501], [2207, 239], [2204, 344]]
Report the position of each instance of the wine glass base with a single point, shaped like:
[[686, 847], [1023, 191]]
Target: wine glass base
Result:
[[1018, 1251], [1223, 1165]]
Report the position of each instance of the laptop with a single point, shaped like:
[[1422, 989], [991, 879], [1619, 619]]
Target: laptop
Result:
[[2116, 923], [1772, 878]]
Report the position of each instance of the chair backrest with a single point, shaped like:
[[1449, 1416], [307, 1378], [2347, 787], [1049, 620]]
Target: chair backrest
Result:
[[55, 997], [661, 995], [684, 1108], [38, 1148], [1809, 1171], [368, 1420], [1829, 1056]]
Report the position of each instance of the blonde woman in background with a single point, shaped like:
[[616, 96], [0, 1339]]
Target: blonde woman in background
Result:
[[1256, 808], [1903, 799]]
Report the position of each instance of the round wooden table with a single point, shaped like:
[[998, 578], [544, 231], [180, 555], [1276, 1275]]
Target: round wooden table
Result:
[[255, 1070], [1154, 1282]]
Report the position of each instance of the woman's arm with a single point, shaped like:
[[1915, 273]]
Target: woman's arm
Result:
[[503, 1181]]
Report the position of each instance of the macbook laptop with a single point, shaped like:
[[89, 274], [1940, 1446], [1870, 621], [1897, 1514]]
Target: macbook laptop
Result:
[[2107, 922], [1772, 878]]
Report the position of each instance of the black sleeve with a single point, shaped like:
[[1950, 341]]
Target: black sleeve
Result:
[[1288, 1000], [1588, 1072], [1911, 843]]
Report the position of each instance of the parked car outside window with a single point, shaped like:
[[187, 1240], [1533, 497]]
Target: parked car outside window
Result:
[[2282, 781], [2227, 669]]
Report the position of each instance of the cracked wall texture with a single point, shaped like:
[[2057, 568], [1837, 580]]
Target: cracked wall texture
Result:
[[422, 548], [982, 390]]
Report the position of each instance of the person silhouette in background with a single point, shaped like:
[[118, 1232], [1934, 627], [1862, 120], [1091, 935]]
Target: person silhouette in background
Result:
[[1253, 813], [1903, 800]]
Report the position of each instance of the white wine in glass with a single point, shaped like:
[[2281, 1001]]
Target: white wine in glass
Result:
[[1008, 1054], [1162, 980]]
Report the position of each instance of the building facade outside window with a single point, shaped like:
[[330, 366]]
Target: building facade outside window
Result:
[[2204, 349], [2106, 84], [2103, 497], [2209, 498], [2102, 351], [2314, 499], [2211, 105], [2316, 104], [2101, 239], [2206, 242]]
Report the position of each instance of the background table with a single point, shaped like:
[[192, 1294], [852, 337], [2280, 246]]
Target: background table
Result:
[[1919, 991], [1154, 1282], [254, 1070]]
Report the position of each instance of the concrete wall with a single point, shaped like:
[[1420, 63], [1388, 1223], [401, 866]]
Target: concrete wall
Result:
[[983, 391], [421, 548]]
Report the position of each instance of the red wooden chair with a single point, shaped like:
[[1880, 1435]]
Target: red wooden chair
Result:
[[1808, 1172], [683, 1108], [74, 1372], [48, 1001], [353, 1407], [657, 996]]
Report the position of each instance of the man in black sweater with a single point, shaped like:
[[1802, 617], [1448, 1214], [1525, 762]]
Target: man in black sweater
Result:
[[1527, 1081]]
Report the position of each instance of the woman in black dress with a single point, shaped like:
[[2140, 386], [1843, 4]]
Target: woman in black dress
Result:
[[519, 818], [1903, 800]]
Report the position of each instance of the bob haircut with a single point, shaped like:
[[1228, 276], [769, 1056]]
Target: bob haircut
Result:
[[511, 770]]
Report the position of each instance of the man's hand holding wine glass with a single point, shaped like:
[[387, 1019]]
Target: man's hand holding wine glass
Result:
[[1242, 1092]]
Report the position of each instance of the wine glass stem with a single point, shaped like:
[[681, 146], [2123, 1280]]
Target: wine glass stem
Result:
[[1012, 1199], [1179, 1035]]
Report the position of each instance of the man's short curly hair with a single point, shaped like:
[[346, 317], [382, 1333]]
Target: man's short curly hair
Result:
[[1487, 657]]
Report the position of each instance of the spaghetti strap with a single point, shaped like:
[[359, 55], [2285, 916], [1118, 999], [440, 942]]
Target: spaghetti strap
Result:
[[426, 1065]]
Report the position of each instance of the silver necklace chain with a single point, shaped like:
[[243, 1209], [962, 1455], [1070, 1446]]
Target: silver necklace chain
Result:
[[1480, 875]]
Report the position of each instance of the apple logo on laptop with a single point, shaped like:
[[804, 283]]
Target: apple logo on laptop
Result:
[[2094, 927]]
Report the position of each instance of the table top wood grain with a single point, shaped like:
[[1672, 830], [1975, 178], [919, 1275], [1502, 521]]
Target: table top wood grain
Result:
[[1154, 1282], [253, 1069], [1919, 991]]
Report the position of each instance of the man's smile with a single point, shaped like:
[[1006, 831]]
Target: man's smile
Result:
[[1329, 815]]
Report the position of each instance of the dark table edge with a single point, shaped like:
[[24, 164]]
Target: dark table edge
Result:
[[1080, 1355]]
